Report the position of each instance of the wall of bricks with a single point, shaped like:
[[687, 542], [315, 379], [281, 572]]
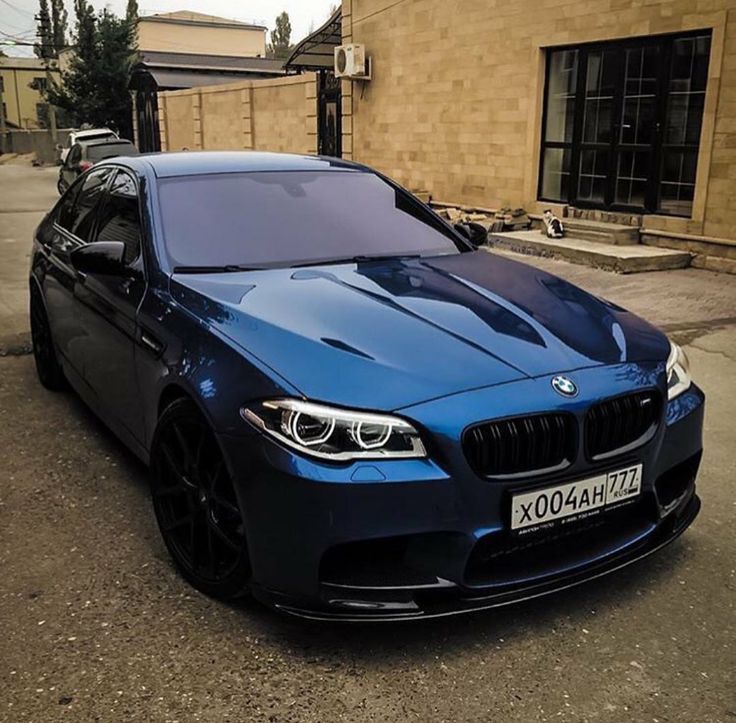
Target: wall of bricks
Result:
[[271, 115], [455, 102]]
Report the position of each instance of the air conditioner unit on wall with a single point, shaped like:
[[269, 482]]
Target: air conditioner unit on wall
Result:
[[351, 62]]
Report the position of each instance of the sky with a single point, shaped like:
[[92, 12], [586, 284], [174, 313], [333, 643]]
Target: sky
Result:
[[16, 16]]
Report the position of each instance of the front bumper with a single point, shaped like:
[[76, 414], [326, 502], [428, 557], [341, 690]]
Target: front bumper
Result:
[[450, 599], [403, 539]]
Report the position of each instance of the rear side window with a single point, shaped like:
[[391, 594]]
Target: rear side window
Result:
[[84, 216], [65, 215], [119, 218]]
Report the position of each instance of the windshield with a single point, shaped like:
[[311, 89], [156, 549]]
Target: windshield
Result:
[[283, 218], [98, 153]]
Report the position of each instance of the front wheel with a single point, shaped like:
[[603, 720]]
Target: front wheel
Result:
[[195, 503]]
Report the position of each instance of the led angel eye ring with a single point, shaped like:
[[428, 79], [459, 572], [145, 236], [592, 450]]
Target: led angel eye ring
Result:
[[357, 433], [293, 426]]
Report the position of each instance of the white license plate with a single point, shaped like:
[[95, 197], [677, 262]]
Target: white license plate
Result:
[[529, 509]]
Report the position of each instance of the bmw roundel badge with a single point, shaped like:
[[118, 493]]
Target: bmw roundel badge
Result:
[[565, 386]]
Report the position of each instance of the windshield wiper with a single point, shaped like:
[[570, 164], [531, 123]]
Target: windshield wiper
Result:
[[358, 259], [226, 269]]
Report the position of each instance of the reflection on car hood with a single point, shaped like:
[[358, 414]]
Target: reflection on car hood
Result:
[[385, 335]]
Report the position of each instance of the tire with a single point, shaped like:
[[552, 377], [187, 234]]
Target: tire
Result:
[[49, 371], [196, 506]]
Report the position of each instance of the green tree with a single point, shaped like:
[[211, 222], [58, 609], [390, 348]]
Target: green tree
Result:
[[280, 46], [131, 12], [44, 47], [50, 29], [95, 87], [59, 19]]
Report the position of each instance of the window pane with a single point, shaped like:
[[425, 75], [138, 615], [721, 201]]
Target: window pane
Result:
[[556, 174], [686, 90], [638, 117], [599, 90], [104, 150], [281, 218], [83, 216], [593, 174], [562, 83], [119, 219], [677, 186], [632, 177], [65, 215]]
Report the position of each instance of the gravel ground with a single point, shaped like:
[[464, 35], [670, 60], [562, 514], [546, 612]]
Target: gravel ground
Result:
[[98, 627]]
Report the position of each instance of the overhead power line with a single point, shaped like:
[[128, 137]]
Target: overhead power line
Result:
[[16, 8]]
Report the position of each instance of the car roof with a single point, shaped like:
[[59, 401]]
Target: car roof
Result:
[[192, 163]]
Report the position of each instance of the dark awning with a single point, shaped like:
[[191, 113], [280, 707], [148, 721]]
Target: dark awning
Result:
[[179, 79], [170, 71], [317, 50]]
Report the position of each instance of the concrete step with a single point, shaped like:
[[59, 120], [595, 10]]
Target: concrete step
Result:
[[599, 231], [624, 259], [708, 252]]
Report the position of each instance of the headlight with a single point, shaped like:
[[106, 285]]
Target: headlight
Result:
[[678, 371], [335, 434]]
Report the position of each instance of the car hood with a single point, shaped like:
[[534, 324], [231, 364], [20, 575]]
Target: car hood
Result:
[[386, 335]]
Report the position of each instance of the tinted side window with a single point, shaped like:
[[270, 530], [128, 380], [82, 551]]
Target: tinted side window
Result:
[[66, 213], [75, 154], [92, 188], [119, 219]]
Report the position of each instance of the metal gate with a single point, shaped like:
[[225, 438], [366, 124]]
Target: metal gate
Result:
[[329, 120]]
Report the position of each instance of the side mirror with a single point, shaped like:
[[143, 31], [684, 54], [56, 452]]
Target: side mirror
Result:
[[101, 257], [474, 233]]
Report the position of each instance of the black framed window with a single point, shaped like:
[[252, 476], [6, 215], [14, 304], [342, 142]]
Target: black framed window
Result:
[[622, 121]]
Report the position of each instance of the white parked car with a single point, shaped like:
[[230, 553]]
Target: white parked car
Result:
[[90, 134]]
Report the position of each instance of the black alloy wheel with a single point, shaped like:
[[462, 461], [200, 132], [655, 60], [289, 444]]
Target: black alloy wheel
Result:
[[49, 371], [195, 503]]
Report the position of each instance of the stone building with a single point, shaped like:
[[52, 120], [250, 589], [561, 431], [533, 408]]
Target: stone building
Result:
[[21, 81], [183, 49], [620, 113], [614, 109]]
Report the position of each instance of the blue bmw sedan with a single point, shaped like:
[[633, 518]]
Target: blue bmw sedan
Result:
[[348, 410]]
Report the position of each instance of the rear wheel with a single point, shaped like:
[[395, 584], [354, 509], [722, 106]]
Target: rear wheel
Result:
[[195, 503], [48, 368]]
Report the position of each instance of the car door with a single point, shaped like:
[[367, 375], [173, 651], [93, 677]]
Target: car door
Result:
[[108, 306], [72, 226]]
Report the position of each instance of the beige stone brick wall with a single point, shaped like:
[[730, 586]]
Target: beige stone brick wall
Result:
[[285, 115], [455, 102], [271, 115], [179, 120]]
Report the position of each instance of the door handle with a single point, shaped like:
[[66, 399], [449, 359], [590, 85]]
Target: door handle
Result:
[[150, 342]]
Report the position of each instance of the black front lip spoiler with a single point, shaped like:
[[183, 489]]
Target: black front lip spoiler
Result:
[[466, 601]]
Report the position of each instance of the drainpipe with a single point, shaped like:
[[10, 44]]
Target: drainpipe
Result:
[[2, 121]]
